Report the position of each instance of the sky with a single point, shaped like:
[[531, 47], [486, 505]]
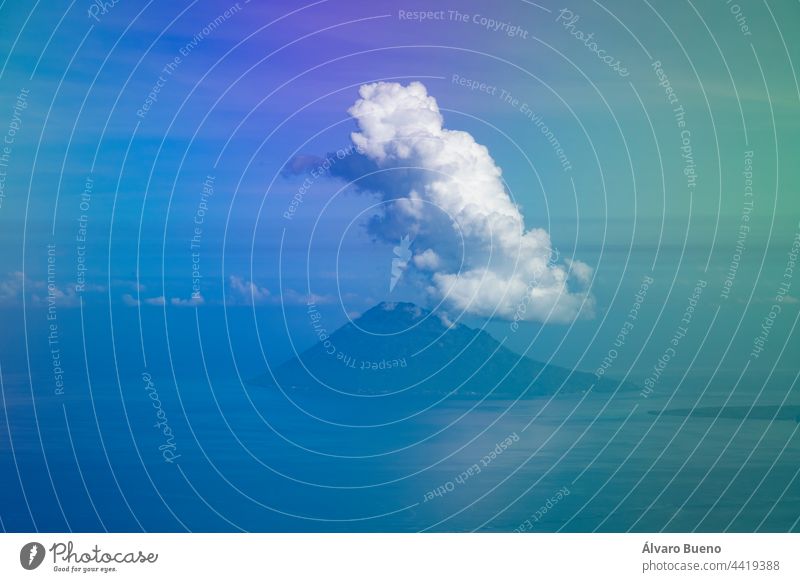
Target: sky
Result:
[[148, 103], [182, 179]]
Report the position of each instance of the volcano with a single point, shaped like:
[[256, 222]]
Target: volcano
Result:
[[401, 347]]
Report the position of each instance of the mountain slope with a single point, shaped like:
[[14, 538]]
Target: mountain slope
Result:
[[401, 347]]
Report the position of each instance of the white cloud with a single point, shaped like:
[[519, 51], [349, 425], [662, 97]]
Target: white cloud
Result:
[[38, 292], [130, 300], [192, 302], [247, 292], [160, 301], [11, 287], [427, 260], [464, 224]]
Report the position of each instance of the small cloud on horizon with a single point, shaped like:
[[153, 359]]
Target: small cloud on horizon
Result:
[[244, 292], [39, 292]]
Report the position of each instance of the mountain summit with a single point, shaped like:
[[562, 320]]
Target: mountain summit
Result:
[[397, 347]]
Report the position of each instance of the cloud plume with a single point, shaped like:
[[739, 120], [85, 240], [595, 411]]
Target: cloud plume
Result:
[[443, 189]]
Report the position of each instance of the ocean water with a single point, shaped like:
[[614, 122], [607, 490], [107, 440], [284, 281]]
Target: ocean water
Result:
[[250, 458]]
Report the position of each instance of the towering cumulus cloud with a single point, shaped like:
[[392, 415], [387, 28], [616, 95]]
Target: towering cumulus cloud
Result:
[[444, 190]]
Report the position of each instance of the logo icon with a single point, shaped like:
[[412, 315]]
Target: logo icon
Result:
[[31, 555], [402, 254]]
